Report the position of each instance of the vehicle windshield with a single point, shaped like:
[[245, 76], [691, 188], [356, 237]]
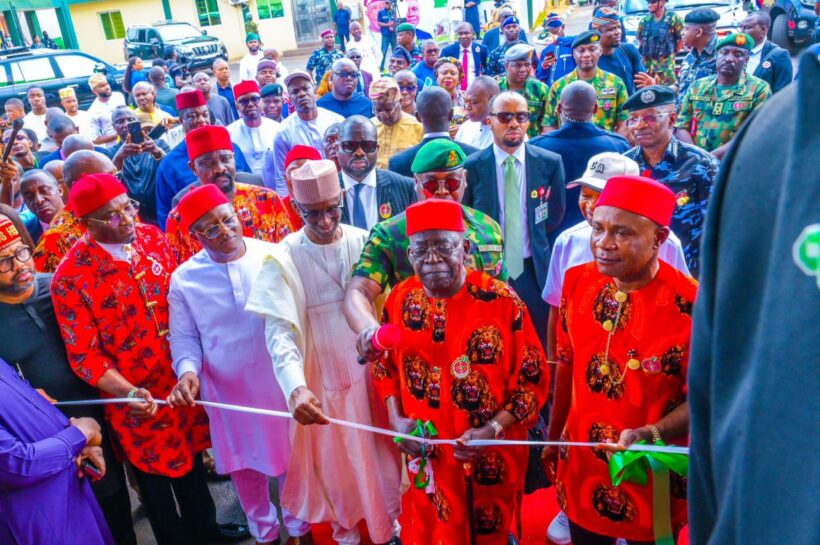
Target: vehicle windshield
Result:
[[177, 32], [639, 6]]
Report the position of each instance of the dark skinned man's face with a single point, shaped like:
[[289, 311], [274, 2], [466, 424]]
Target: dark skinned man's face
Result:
[[37, 99], [356, 32], [409, 89], [586, 56], [114, 222], [691, 34], [330, 144], [431, 53], [265, 76], [518, 71], [476, 103], [103, 90], [59, 136], [193, 118], [228, 243], [249, 106], [302, 94], [751, 26], [405, 39], [397, 63], [511, 32], [384, 109], [20, 146], [222, 72], [324, 226], [610, 35], [70, 105], [329, 41], [217, 167], [42, 196], [345, 80], [623, 243], [120, 120], [253, 46], [587, 200], [438, 260], [202, 82], [20, 277], [652, 127], [731, 61], [144, 97], [445, 184], [465, 36], [509, 134], [358, 163], [272, 106]]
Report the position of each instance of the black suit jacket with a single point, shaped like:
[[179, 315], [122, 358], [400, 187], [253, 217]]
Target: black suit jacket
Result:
[[401, 162], [775, 66], [480, 54], [394, 193], [543, 170]]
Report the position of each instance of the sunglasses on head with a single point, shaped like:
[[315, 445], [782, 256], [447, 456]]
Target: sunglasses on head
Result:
[[450, 184], [350, 146], [506, 117]]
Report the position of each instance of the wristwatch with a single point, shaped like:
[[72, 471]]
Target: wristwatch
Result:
[[497, 428]]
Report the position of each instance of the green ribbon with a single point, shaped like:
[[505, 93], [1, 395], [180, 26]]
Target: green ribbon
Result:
[[632, 466], [422, 429]]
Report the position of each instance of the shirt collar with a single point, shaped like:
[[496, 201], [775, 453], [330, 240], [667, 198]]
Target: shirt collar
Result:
[[443, 134], [349, 182], [501, 155], [758, 48]]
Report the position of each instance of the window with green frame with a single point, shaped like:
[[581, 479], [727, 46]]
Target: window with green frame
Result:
[[270, 9], [113, 28], [208, 12]]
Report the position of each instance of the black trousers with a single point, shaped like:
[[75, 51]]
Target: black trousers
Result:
[[194, 522], [388, 45], [581, 536]]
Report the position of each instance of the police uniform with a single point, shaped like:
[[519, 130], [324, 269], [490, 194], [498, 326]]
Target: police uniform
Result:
[[712, 113], [321, 61], [416, 55], [534, 92], [495, 61], [610, 89], [696, 64], [658, 41]]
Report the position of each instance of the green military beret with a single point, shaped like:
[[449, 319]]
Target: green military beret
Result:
[[740, 39], [405, 27], [437, 155], [588, 37], [650, 97]]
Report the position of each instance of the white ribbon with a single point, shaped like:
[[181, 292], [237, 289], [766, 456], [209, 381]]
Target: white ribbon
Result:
[[381, 431]]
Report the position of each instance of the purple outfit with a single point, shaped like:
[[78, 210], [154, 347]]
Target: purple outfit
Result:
[[41, 498]]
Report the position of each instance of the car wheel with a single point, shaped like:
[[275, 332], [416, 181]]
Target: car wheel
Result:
[[780, 33]]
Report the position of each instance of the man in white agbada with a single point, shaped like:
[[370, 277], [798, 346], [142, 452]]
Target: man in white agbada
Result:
[[219, 353], [336, 474], [252, 132]]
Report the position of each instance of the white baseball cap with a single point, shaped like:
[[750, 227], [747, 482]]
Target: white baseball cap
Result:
[[604, 166]]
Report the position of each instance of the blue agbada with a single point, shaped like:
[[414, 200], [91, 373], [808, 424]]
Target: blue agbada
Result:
[[174, 175], [42, 500]]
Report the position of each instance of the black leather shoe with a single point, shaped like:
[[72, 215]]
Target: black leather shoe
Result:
[[230, 533]]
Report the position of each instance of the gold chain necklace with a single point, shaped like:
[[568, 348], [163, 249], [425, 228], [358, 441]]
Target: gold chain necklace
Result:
[[633, 364]]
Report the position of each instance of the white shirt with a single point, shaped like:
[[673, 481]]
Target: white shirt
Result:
[[247, 66], [572, 248], [100, 113], [469, 74], [521, 169], [37, 123], [367, 196], [255, 142], [296, 131], [473, 133], [754, 58], [371, 54], [84, 124]]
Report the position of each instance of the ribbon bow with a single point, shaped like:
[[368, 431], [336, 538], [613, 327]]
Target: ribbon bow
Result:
[[424, 474], [632, 466]]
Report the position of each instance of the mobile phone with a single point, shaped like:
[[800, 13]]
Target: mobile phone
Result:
[[91, 470], [135, 130], [157, 132]]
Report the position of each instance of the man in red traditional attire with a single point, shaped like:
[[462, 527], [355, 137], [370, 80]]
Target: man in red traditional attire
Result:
[[469, 362], [260, 210], [110, 299], [623, 353]]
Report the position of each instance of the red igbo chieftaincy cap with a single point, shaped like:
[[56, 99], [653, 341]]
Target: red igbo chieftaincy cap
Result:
[[198, 201], [190, 99], [8, 233], [207, 138], [434, 215], [642, 196], [93, 191], [244, 87], [302, 152]]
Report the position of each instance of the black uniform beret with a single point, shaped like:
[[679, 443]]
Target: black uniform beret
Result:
[[701, 16], [650, 97]]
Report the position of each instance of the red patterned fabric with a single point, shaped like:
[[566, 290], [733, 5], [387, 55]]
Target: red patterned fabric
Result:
[[487, 324], [108, 320], [260, 210], [653, 332], [65, 229]]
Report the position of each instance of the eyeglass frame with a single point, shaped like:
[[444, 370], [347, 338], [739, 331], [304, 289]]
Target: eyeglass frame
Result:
[[414, 251], [513, 115], [634, 121], [359, 145], [228, 223], [133, 204], [15, 256], [313, 216]]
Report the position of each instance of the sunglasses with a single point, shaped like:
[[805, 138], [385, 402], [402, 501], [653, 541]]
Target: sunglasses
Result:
[[450, 184], [346, 74], [506, 117], [212, 232], [244, 101], [368, 146], [408, 88]]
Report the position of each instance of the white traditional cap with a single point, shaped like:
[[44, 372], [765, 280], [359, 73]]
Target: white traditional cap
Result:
[[315, 182]]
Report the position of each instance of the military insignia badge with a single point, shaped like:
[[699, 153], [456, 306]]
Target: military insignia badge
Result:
[[682, 197], [534, 194], [737, 106], [593, 39], [740, 39], [452, 159], [648, 96], [385, 210], [767, 64], [461, 367]]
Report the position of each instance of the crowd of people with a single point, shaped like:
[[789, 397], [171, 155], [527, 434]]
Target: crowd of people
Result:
[[474, 242]]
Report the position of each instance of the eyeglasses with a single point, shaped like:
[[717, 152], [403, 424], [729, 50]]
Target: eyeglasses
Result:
[[213, 231], [244, 101], [117, 217], [408, 88], [346, 74], [368, 146], [450, 184], [442, 250], [19, 138], [315, 216], [354, 57], [648, 119], [506, 117], [21, 254]]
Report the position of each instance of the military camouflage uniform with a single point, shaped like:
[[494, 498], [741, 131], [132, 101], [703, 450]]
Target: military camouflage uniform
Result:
[[689, 172], [321, 61], [495, 61], [712, 115], [416, 55], [696, 66], [657, 43], [536, 94], [611, 91], [384, 258]]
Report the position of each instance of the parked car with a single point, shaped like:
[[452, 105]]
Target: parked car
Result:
[[193, 47], [52, 69], [792, 23]]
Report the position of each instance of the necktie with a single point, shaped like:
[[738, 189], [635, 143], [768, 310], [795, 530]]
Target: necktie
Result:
[[465, 66], [359, 218], [513, 233]]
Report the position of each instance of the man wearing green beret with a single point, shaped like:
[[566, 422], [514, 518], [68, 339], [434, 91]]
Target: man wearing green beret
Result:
[[439, 173], [322, 59], [406, 38], [714, 108], [247, 66]]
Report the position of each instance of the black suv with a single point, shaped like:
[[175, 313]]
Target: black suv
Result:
[[194, 48], [792, 23], [52, 69]]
